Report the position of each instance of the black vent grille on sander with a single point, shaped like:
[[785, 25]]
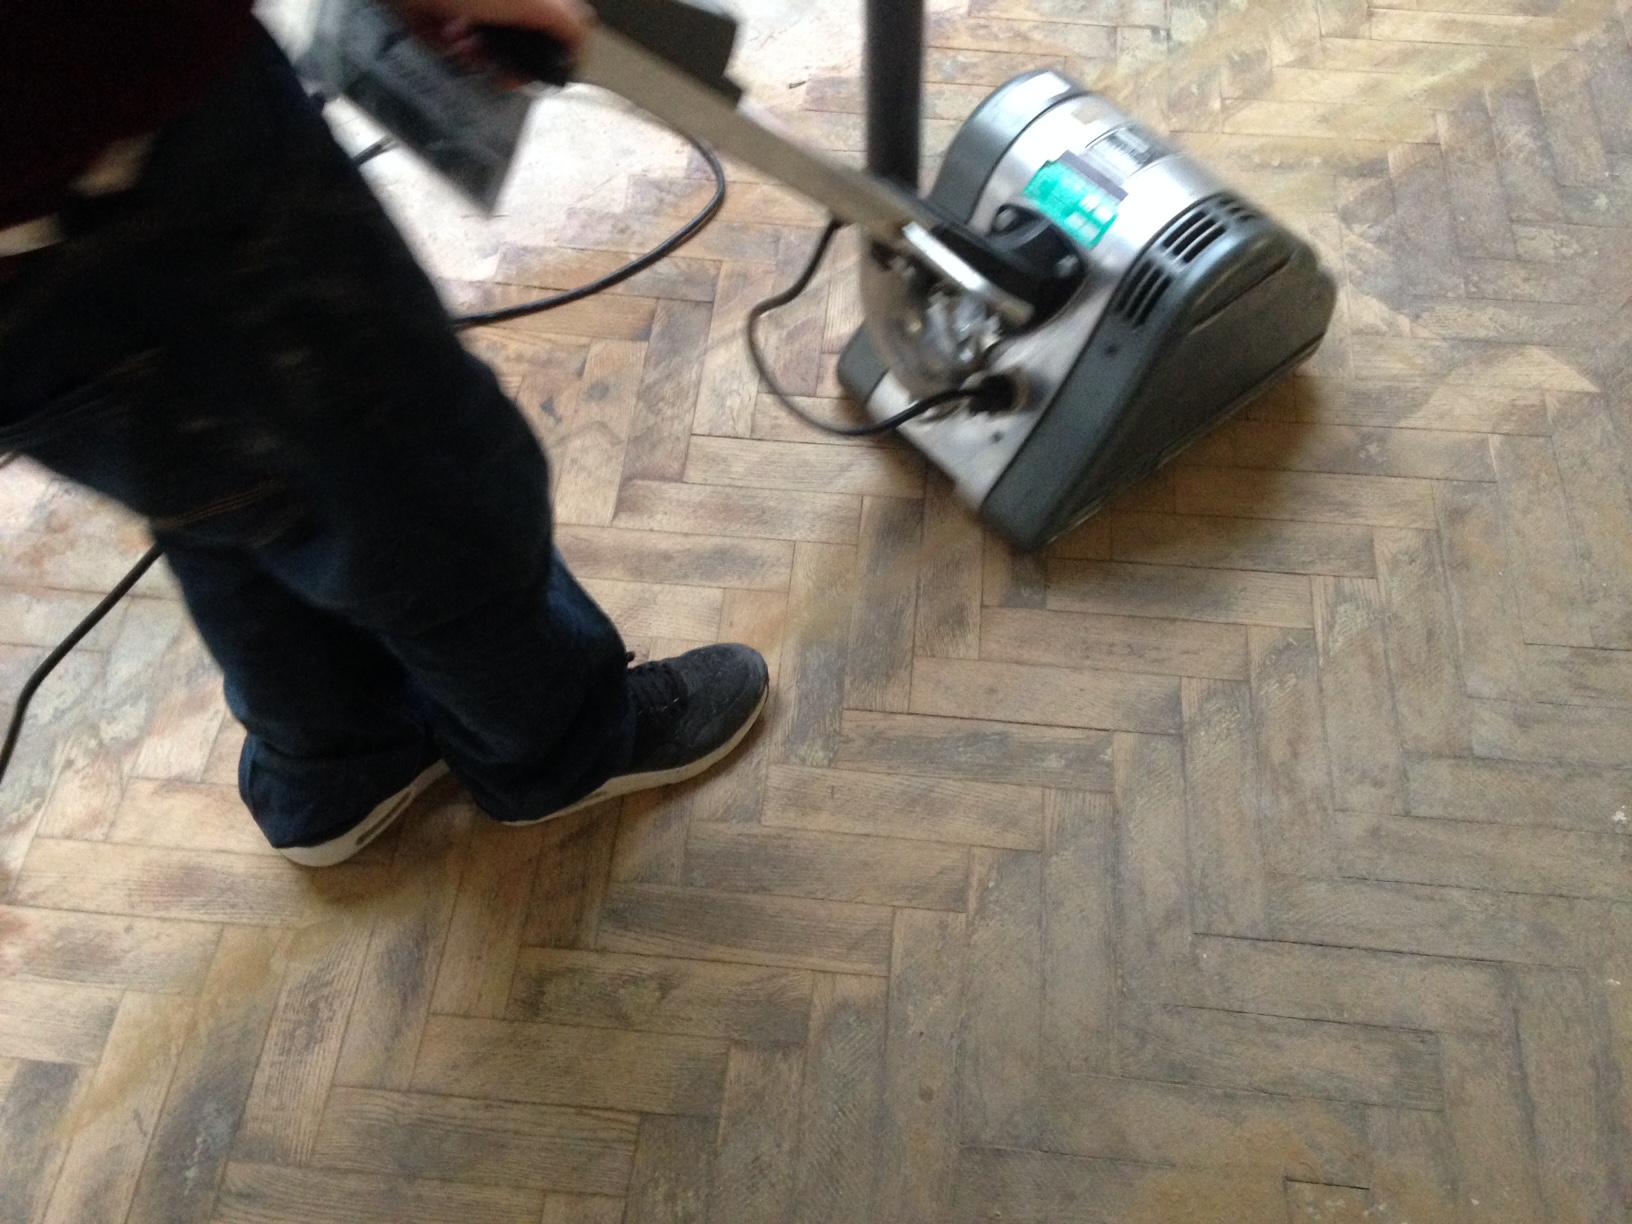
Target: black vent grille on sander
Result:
[[1186, 236]]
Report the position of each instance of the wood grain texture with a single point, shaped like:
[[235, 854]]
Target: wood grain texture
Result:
[[104, 1159], [400, 967], [918, 1122], [484, 935], [673, 1170], [253, 1192], [196, 1129], [971, 750], [1000, 1047], [1257, 851], [841, 1096], [759, 1135], [1294, 771], [1362, 728], [927, 809], [140, 954], [1014, 692], [878, 664], [555, 1064], [36, 1116], [949, 577], [662, 995], [1221, 790], [302, 1045], [457, 1139], [828, 866], [55, 1022]]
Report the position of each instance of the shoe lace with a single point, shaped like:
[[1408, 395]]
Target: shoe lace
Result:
[[659, 695], [656, 686]]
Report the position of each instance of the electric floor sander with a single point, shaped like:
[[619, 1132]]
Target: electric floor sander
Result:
[[1071, 304]]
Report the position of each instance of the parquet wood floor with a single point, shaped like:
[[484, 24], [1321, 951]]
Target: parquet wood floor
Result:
[[1259, 854]]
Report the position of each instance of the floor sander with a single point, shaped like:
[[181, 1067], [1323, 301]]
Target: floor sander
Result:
[[1072, 303]]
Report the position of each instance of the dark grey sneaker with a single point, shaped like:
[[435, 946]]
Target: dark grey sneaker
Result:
[[342, 846], [691, 712]]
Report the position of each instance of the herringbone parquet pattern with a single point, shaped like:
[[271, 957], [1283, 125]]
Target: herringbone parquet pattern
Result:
[[1259, 854]]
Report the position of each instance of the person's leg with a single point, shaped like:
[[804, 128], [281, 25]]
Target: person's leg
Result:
[[428, 521], [256, 363], [331, 721]]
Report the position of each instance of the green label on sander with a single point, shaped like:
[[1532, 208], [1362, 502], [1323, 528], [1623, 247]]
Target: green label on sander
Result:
[[1073, 201]]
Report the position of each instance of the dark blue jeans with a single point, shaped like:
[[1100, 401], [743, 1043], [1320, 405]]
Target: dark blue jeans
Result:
[[243, 350]]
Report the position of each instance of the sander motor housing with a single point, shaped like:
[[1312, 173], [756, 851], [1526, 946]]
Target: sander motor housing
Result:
[[1192, 302]]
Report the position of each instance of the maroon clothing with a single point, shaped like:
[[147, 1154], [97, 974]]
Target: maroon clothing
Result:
[[77, 75]]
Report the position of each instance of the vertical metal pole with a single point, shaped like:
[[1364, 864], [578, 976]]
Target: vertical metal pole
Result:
[[895, 76]]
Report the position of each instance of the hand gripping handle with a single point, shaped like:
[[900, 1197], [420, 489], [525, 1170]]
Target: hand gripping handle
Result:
[[532, 53], [695, 36]]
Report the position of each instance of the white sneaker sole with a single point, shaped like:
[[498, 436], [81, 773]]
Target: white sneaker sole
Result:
[[628, 784], [339, 849]]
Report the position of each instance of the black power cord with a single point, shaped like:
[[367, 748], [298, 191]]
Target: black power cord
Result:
[[790, 294], [383, 145], [92, 619], [482, 318], [486, 318], [671, 244]]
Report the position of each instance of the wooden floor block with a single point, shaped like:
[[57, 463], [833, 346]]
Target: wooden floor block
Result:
[[1260, 850], [488, 1142]]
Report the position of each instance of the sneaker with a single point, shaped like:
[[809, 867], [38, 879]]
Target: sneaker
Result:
[[691, 712], [339, 849]]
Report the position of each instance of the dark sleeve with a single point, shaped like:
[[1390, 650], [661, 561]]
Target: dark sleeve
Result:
[[77, 75]]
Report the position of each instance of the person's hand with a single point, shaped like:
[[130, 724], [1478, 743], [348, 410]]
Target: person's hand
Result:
[[452, 24]]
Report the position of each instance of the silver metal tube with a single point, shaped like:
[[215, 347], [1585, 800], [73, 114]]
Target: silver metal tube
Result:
[[891, 216], [748, 134]]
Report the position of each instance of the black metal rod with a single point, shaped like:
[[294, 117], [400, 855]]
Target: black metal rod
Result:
[[895, 88]]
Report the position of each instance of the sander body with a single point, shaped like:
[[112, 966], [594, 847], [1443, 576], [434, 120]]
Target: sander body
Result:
[[1072, 303], [1190, 302]]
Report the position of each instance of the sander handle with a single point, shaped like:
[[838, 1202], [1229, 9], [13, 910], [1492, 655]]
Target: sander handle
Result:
[[534, 54], [700, 106], [695, 36]]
